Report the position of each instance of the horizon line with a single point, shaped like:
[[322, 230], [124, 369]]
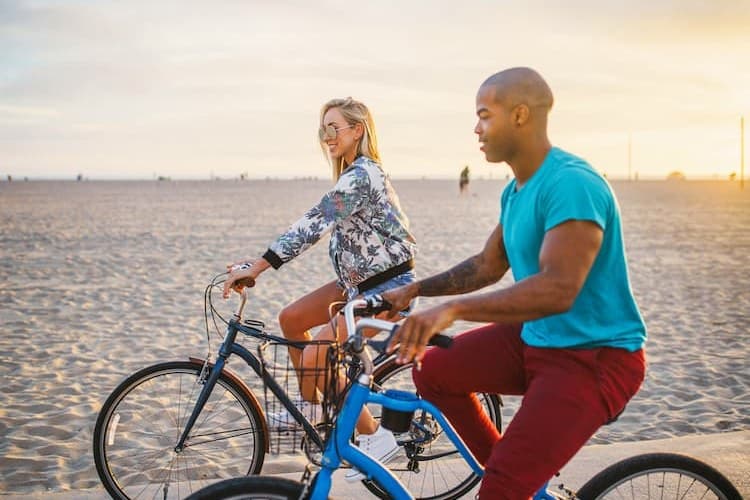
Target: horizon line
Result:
[[712, 177]]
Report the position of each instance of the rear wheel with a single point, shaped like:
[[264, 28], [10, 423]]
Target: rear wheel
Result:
[[429, 465], [251, 487], [659, 475], [139, 425]]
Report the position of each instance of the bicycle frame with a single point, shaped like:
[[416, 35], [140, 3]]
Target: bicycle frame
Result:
[[340, 447], [229, 347]]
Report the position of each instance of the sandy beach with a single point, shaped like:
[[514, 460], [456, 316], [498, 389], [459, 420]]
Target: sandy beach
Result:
[[99, 279]]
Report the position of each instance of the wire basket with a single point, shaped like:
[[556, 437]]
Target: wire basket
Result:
[[317, 388]]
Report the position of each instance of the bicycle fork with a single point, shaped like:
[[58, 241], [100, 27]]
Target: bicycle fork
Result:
[[208, 386]]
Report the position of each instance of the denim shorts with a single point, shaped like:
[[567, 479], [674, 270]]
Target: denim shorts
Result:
[[401, 279]]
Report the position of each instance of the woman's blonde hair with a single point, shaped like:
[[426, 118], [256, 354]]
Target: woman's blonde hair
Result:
[[353, 112]]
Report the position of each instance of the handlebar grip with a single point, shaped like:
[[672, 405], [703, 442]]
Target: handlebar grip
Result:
[[248, 282], [376, 304], [441, 340], [382, 307]]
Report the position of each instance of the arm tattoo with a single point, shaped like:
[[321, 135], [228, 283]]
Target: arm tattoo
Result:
[[462, 278]]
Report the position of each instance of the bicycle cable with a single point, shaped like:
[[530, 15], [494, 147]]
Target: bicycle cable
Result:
[[210, 310]]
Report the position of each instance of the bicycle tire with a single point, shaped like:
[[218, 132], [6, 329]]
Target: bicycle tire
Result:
[[138, 426], [251, 487], [659, 475], [438, 477]]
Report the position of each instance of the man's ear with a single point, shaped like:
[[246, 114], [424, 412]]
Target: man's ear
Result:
[[520, 115]]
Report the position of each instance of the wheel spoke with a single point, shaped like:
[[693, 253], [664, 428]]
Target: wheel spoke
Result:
[[152, 407], [659, 476]]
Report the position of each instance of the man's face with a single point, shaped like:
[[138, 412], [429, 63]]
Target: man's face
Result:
[[494, 126]]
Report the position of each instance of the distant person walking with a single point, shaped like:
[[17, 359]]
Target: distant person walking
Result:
[[463, 182]]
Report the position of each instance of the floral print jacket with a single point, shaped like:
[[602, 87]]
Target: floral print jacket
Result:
[[369, 231]]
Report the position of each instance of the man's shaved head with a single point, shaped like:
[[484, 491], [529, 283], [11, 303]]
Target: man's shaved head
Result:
[[512, 107], [516, 86]]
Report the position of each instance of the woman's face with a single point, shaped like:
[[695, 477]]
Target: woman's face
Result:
[[347, 136]]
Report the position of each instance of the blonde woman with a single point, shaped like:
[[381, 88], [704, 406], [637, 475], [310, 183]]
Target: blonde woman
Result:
[[371, 250]]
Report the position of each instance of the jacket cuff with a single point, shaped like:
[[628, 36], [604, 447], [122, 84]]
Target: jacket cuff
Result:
[[273, 259]]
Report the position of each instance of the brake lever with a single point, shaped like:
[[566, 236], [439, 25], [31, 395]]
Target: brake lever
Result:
[[381, 345]]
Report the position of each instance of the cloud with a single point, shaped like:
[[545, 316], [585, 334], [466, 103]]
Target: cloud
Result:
[[181, 84]]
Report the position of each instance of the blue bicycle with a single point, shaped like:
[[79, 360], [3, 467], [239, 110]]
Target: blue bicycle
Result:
[[661, 475]]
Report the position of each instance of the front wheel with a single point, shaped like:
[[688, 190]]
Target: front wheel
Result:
[[659, 475], [428, 464], [250, 487], [139, 425]]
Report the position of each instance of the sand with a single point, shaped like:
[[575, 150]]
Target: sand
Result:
[[98, 279]]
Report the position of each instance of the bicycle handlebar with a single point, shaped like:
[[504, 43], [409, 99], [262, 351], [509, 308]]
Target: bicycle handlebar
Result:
[[241, 306], [375, 304], [368, 306]]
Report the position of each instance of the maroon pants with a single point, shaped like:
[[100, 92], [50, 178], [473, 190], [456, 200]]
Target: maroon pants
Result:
[[568, 395]]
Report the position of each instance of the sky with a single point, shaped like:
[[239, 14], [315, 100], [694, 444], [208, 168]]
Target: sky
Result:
[[194, 90]]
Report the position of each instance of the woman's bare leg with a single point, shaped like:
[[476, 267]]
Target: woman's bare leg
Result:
[[297, 318], [315, 356]]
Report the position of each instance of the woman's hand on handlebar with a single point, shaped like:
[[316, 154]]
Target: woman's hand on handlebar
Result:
[[243, 274], [247, 261]]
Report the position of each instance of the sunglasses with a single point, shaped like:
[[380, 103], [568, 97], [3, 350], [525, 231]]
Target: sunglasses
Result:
[[329, 132]]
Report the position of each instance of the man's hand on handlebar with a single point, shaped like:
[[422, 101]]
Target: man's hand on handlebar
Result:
[[417, 330], [399, 298], [376, 304]]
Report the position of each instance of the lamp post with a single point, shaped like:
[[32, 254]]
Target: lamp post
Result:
[[742, 152], [630, 155]]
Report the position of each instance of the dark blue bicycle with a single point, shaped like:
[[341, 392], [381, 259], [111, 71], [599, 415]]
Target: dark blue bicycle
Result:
[[175, 427]]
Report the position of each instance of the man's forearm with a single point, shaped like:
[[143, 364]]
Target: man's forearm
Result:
[[532, 298], [462, 278]]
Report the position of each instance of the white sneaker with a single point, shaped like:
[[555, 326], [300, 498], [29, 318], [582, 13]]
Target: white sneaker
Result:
[[381, 445], [283, 419]]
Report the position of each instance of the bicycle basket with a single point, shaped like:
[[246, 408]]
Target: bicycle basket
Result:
[[316, 389]]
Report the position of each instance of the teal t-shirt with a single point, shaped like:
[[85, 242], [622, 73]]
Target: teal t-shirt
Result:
[[565, 188]]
